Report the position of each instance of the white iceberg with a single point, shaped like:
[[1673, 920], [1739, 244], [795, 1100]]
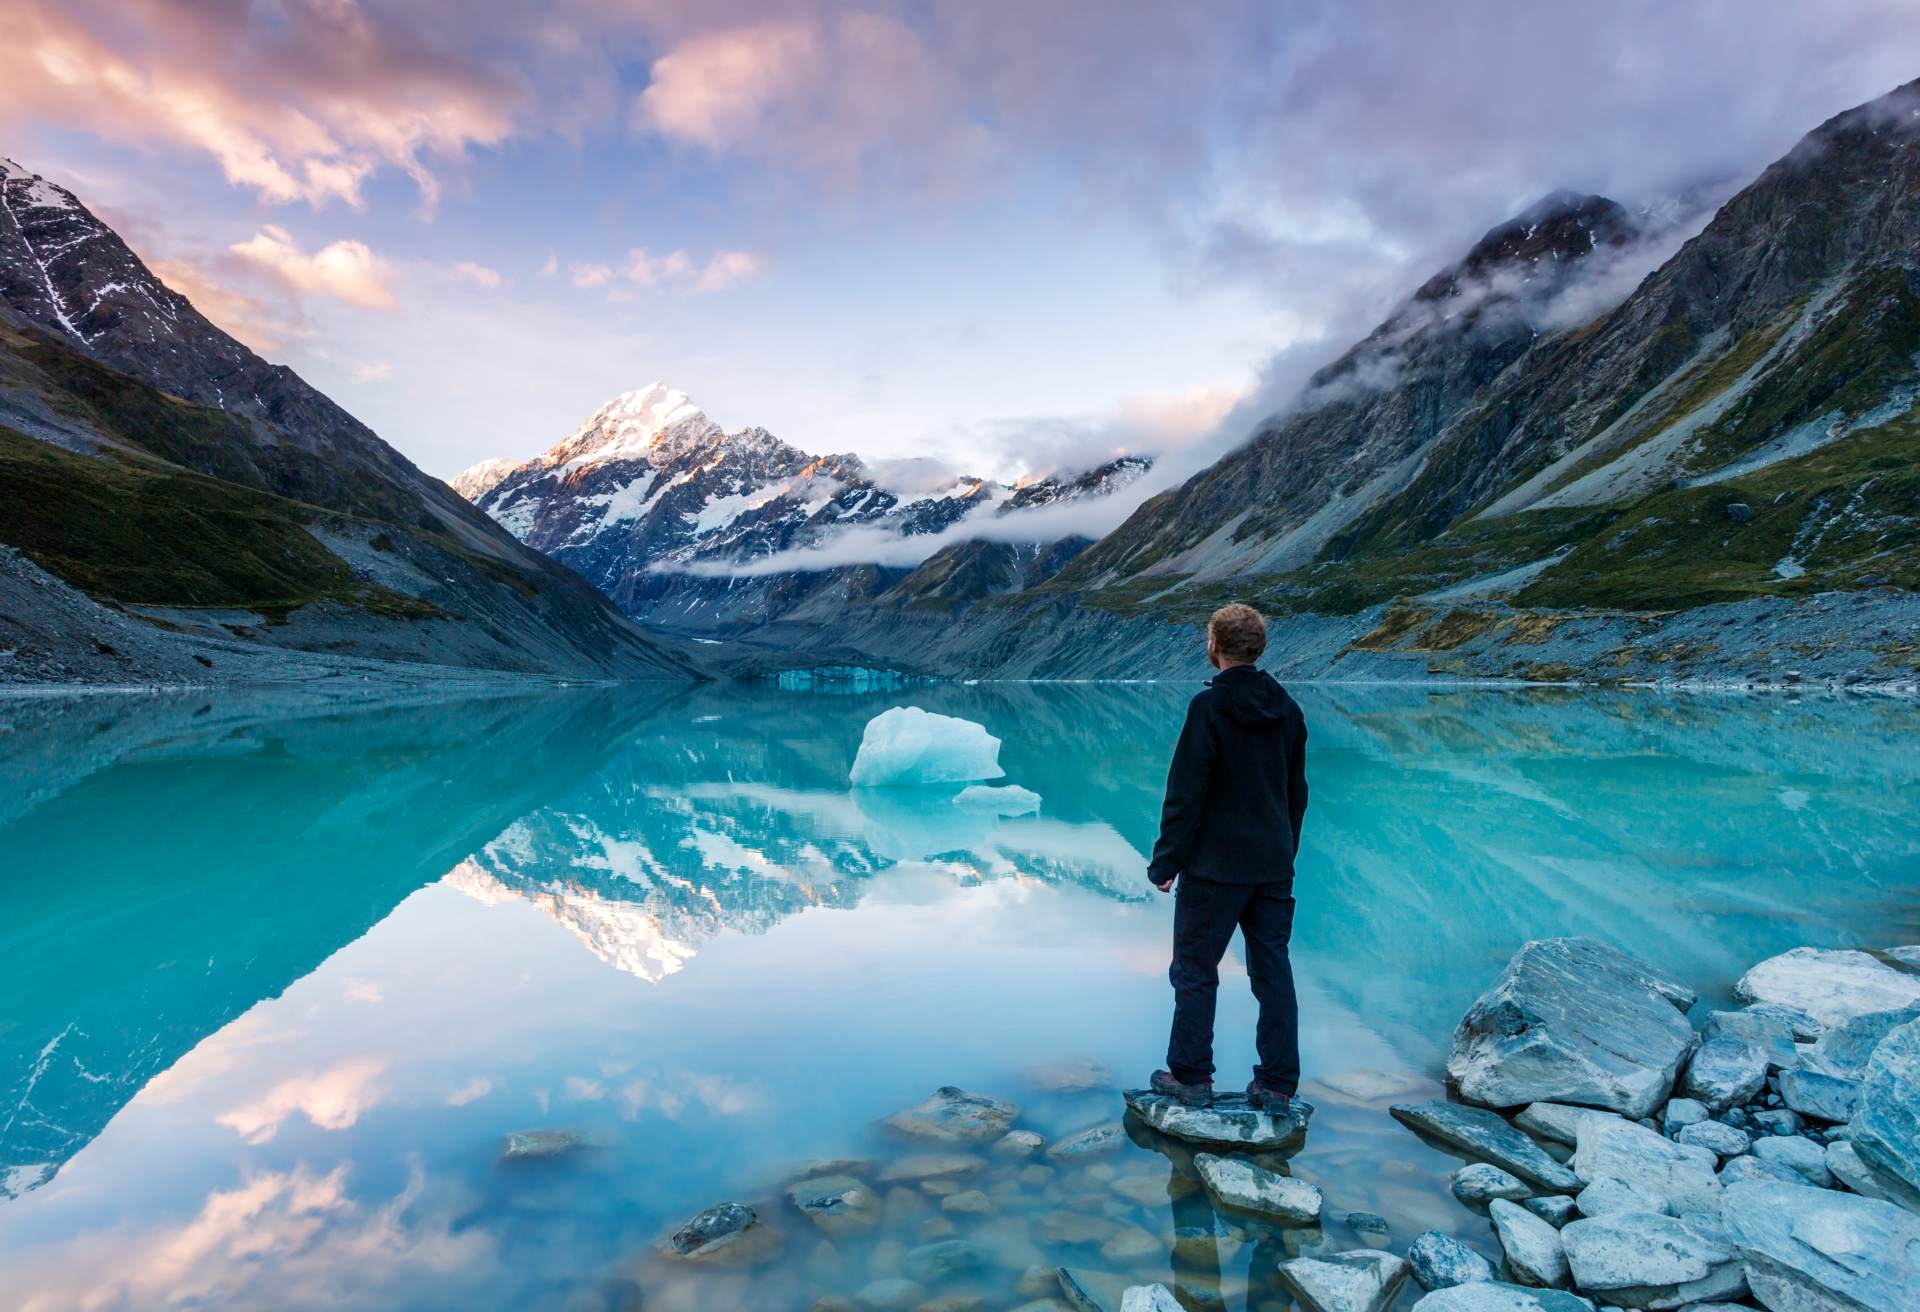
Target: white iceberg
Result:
[[907, 745], [1010, 799]]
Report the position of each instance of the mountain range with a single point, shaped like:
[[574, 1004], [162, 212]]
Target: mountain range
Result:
[[685, 525], [1529, 470], [177, 505]]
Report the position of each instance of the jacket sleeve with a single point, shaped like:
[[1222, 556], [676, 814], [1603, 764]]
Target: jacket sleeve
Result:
[[1297, 783], [1186, 803]]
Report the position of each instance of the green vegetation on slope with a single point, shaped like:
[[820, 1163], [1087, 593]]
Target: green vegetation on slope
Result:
[[129, 532]]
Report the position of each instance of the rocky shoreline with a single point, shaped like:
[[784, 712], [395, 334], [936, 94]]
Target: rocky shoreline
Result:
[[1622, 1157]]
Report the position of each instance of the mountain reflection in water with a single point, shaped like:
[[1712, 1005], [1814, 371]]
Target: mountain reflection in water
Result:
[[330, 956]]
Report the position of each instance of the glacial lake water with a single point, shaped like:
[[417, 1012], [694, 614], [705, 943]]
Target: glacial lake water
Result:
[[277, 982]]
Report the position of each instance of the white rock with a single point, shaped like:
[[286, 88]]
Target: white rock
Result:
[[1238, 1183], [1815, 1250], [1726, 1071], [1607, 1196], [1830, 985], [1557, 1121], [1481, 1182], [1798, 1154], [1533, 1248], [1843, 1159], [906, 746], [1149, 1298], [1497, 1296], [1634, 1250], [1361, 1281], [1648, 1161]]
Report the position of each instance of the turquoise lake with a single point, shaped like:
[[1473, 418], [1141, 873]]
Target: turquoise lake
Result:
[[278, 981]]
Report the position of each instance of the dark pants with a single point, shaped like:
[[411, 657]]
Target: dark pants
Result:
[[1204, 917]]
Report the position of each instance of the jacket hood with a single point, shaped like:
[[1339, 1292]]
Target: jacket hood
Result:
[[1252, 697]]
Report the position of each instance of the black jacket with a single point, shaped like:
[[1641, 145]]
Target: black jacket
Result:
[[1237, 789]]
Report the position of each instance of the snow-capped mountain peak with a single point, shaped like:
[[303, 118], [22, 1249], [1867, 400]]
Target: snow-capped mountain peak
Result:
[[655, 424]]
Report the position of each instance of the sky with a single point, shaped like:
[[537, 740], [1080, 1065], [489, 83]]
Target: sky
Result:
[[1013, 236]]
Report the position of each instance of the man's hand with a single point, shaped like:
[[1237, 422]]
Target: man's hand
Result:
[[1166, 887]]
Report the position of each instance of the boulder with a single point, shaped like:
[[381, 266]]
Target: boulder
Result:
[[1646, 1160], [1843, 1159], [1574, 1021], [1844, 1050], [1478, 1133], [1717, 1137], [726, 1234], [1812, 1250], [1231, 1122], [931, 1166], [1557, 1121], [1725, 1072], [936, 1263], [1439, 1261], [1766, 1030], [1820, 1097], [1647, 1260], [1886, 1129], [1149, 1298], [1533, 1249], [1555, 1209], [1019, 1143], [1089, 1143], [1798, 1154], [1479, 1183], [1370, 1228], [1743, 1169], [1607, 1195], [1497, 1296], [1831, 985], [838, 1204], [956, 1116], [1364, 1280], [1777, 1120], [1682, 1112], [1239, 1184]]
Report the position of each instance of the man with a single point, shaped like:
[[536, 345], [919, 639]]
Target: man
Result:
[[1229, 831]]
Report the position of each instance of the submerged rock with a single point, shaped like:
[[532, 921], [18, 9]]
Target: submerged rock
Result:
[[1646, 1260], [1678, 1173], [1019, 1143], [1239, 1184], [1479, 1133], [1090, 1291], [1089, 1143], [1439, 1261], [1231, 1122], [1725, 1072], [1886, 1129], [1831, 985], [1149, 1298], [726, 1234], [534, 1145], [931, 1166], [1479, 1183], [1497, 1296], [1533, 1248], [1361, 1281], [956, 1116], [838, 1204], [1069, 1075], [932, 1264], [1809, 1250], [1573, 1020]]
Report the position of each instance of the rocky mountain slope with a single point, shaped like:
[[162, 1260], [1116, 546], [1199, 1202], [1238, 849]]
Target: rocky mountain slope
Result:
[[686, 525], [1508, 479], [159, 466]]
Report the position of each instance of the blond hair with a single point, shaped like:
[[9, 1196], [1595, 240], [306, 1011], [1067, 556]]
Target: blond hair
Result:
[[1239, 633]]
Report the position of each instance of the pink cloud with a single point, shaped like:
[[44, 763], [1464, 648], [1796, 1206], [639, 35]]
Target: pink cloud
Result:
[[302, 109], [345, 270]]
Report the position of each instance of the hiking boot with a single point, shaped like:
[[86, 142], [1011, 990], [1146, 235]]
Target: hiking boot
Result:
[[1193, 1095], [1266, 1099]]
